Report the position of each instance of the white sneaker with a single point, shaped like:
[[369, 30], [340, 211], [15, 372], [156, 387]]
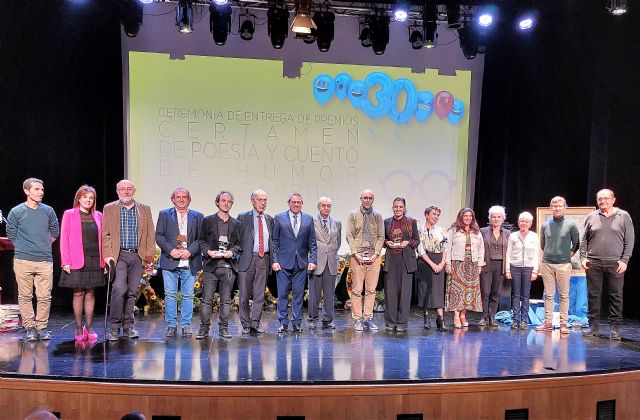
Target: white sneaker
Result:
[[370, 325], [358, 325]]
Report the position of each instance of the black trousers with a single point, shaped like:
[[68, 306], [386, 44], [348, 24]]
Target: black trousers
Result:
[[598, 272], [490, 284]]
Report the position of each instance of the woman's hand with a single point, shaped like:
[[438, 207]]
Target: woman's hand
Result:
[[508, 275], [67, 268]]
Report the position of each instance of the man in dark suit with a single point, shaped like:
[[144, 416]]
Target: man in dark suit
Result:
[[294, 253], [177, 233], [328, 238], [254, 265], [220, 236]]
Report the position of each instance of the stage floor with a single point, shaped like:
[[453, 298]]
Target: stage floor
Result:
[[317, 357]]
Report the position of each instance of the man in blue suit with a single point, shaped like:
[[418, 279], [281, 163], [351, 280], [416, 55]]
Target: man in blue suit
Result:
[[294, 253], [254, 265], [180, 259]]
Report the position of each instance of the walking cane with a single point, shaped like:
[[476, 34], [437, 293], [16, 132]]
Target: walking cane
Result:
[[110, 278]]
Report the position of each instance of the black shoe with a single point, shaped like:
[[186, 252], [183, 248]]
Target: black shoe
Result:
[[171, 331], [44, 334], [224, 333], [186, 331], [202, 333], [594, 330], [297, 329], [312, 325], [390, 327], [257, 330], [427, 321], [246, 330], [114, 334], [131, 332], [329, 325], [615, 333], [440, 324], [31, 335], [282, 329], [401, 328]]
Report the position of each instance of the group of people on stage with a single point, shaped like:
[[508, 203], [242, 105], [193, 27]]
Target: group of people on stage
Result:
[[303, 248]]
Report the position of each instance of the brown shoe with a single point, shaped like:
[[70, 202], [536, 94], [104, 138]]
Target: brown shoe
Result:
[[545, 327], [564, 329]]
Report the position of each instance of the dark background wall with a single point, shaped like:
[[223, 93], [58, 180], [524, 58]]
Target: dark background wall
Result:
[[559, 115]]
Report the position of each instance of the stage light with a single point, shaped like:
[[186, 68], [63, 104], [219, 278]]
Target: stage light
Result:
[[617, 7], [430, 22], [146, 1], [468, 42], [131, 17], [184, 16], [416, 39], [379, 27], [485, 20], [401, 12], [302, 22], [220, 22], [277, 24], [247, 27], [325, 32], [526, 23], [220, 2], [365, 35], [453, 15]]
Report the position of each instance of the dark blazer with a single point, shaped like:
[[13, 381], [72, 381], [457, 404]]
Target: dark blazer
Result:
[[166, 233], [485, 232], [408, 234], [209, 241], [246, 219], [289, 248]]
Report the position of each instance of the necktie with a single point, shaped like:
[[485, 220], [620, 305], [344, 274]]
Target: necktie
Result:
[[260, 237], [324, 226], [295, 224]]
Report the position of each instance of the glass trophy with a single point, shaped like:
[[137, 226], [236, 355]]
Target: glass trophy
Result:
[[223, 244], [366, 253]]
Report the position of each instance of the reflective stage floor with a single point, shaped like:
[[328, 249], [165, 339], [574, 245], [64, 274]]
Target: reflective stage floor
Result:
[[316, 357]]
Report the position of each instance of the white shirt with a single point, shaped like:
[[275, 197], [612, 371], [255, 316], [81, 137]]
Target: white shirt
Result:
[[523, 252]]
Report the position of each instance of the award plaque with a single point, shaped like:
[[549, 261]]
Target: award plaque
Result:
[[181, 242], [366, 253], [223, 243]]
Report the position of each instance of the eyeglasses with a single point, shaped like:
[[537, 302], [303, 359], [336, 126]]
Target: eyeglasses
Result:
[[558, 207], [325, 206], [605, 198], [127, 189]]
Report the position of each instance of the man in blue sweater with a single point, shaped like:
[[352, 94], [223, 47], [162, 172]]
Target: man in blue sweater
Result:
[[32, 227]]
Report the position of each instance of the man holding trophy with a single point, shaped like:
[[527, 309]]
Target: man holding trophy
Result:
[[365, 236], [220, 245]]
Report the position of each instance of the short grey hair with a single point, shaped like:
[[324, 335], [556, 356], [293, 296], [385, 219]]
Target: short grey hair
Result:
[[323, 198], [497, 210], [525, 215]]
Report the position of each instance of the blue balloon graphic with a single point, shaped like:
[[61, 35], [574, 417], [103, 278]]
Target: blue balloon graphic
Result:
[[358, 92], [425, 106], [410, 105], [383, 95], [343, 80], [457, 112], [323, 88]]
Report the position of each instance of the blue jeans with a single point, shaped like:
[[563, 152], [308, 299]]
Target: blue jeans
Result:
[[187, 279], [520, 289]]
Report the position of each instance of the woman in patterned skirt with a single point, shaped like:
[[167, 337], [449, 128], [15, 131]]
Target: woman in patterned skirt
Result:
[[81, 257], [464, 259]]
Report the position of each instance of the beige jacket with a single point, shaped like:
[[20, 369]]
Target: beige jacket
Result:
[[111, 232], [355, 224]]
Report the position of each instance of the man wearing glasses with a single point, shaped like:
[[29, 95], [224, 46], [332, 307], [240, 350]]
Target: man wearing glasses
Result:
[[559, 240], [128, 241], [323, 279], [605, 251]]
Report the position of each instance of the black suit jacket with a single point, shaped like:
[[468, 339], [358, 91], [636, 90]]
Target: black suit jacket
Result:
[[209, 241], [246, 220]]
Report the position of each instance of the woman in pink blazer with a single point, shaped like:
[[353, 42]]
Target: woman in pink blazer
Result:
[[81, 257]]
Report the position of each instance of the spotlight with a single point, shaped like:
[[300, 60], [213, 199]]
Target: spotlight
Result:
[[302, 22], [365, 35], [430, 22], [416, 39], [526, 23], [453, 16], [379, 27], [468, 42], [325, 32], [184, 16], [485, 20], [617, 7], [220, 22], [146, 1], [220, 2], [401, 13], [247, 27], [131, 17], [277, 24]]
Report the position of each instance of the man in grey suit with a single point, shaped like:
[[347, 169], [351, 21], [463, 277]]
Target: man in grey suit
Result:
[[323, 279], [177, 233], [254, 265], [294, 254]]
